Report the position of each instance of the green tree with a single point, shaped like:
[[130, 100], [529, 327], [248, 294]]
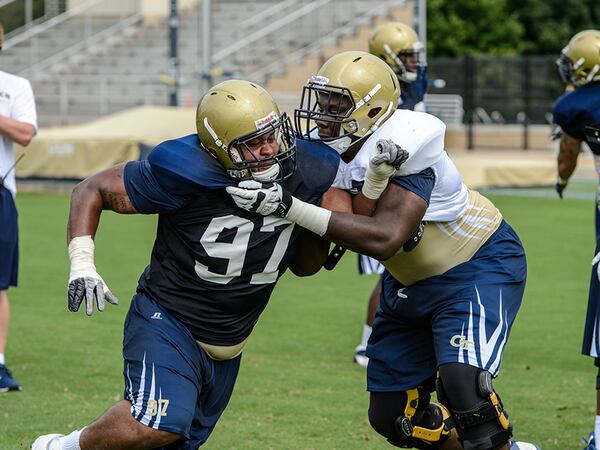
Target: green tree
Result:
[[549, 24], [482, 27]]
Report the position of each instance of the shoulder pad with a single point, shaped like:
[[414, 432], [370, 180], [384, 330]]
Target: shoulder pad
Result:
[[182, 164], [317, 164], [420, 134]]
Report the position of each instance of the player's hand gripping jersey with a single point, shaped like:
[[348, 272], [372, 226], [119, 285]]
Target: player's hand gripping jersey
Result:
[[220, 293], [458, 221]]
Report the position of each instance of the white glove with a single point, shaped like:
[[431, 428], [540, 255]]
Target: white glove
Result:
[[84, 281], [386, 159], [271, 198], [261, 198]]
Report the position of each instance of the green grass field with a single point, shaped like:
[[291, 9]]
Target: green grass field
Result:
[[297, 388]]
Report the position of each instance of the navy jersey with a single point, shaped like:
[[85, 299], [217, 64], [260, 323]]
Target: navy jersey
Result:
[[214, 265], [413, 93], [575, 110]]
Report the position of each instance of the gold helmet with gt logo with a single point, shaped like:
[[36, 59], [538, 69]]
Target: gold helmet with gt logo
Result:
[[233, 118], [352, 95], [579, 61], [395, 42]]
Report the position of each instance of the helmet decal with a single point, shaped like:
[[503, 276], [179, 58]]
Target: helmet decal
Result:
[[267, 120], [318, 79]]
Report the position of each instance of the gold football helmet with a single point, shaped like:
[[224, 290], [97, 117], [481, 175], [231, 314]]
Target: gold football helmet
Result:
[[394, 42], [233, 118], [579, 61], [350, 97]]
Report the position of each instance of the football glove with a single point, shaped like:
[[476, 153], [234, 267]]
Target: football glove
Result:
[[560, 186], [261, 198], [386, 159], [84, 281], [273, 199]]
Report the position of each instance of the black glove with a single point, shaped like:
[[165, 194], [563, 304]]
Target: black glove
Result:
[[560, 186]]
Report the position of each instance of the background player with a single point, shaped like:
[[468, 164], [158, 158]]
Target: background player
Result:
[[579, 65], [398, 45], [212, 270], [18, 123], [449, 299]]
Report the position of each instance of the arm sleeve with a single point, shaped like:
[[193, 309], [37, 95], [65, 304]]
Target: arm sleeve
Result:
[[421, 183], [147, 195], [24, 106]]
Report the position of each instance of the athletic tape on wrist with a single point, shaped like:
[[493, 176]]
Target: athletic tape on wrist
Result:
[[373, 188], [311, 217], [81, 254]]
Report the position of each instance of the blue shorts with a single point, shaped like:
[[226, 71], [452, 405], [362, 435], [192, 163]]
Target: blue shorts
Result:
[[170, 381], [9, 240], [462, 316], [591, 336]]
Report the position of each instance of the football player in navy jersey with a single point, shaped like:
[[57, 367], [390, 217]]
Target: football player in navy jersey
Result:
[[455, 270], [398, 45], [576, 109], [212, 270]]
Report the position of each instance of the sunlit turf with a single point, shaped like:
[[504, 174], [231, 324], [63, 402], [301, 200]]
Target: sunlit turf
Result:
[[297, 388]]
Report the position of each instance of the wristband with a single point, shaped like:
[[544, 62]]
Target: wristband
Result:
[[372, 187], [311, 217]]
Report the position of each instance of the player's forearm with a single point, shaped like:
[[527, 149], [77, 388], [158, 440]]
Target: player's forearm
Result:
[[363, 205], [86, 207], [567, 156], [311, 254], [366, 235], [20, 132]]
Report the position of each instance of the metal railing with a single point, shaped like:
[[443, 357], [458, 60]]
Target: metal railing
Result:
[[82, 46], [275, 27], [362, 15], [90, 30]]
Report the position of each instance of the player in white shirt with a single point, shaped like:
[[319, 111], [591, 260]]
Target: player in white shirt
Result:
[[18, 123], [455, 270]]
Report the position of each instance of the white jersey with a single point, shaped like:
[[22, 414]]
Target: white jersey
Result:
[[458, 221], [422, 136], [16, 102]]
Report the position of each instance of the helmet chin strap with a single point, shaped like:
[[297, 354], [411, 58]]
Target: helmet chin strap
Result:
[[341, 145], [267, 175]]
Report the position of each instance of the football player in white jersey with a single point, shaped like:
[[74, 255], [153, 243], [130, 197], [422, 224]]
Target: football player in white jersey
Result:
[[455, 270], [398, 45]]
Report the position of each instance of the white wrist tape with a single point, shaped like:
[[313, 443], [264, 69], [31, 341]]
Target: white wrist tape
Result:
[[311, 217], [81, 254], [374, 185]]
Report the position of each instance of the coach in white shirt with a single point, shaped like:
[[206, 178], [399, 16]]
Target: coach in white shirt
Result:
[[18, 123]]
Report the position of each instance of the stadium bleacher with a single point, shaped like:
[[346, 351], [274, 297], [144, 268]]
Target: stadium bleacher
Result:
[[89, 65]]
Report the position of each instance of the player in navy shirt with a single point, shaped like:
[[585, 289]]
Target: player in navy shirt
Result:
[[579, 66], [212, 270]]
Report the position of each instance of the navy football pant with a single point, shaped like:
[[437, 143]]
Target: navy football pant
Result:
[[170, 381], [9, 240]]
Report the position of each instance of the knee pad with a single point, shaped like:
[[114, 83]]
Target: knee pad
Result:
[[478, 414], [423, 425]]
